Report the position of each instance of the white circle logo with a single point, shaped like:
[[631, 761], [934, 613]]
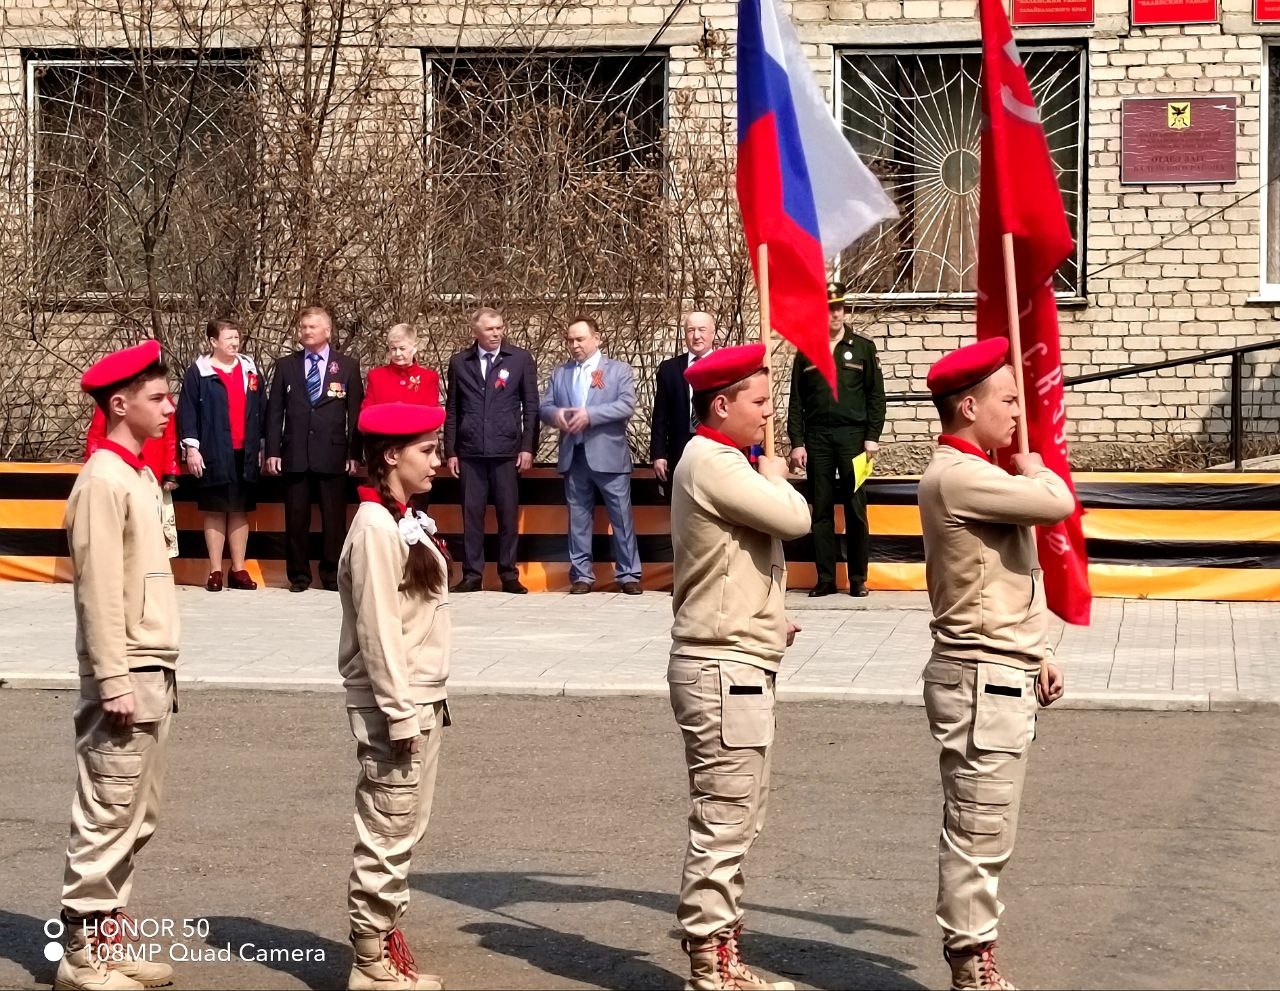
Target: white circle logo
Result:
[[53, 952], [54, 929]]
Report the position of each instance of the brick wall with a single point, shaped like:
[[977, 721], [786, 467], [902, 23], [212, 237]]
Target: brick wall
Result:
[[1194, 291]]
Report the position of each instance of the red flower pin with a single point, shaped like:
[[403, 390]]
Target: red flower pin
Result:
[[597, 379], [253, 382]]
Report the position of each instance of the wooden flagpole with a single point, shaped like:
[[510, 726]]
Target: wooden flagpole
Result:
[[1015, 338], [766, 335]]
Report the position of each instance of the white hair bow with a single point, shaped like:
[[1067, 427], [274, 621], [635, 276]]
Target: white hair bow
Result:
[[416, 527]]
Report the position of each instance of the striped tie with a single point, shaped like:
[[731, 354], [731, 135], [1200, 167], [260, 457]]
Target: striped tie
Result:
[[313, 378]]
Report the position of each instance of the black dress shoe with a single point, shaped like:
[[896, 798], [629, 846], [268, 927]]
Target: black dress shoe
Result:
[[512, 586], [579, 588], [821, 589], [299, 586], [329, 586], [467, 585], [859, 590], [631, 588]]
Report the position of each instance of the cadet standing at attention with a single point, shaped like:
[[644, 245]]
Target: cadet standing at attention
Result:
[[827, 433], [728, 522], [393, 583], [127, 643], [990, 662]]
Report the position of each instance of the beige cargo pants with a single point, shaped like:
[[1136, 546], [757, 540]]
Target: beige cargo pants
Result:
[[984, 716], [393, 807], [119, 776], [725, 712]]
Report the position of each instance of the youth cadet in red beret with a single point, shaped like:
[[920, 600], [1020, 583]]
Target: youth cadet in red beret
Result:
[[728, 521], [990, 662], [127, 642], [393, 582]]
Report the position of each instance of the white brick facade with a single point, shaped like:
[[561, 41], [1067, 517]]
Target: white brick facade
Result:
[[1152, 292]]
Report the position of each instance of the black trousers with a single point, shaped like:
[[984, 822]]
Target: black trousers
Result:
[[484, 481], [831, 479], [301, 489]]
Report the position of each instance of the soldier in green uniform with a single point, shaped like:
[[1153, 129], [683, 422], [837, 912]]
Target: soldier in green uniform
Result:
[[828, 433]]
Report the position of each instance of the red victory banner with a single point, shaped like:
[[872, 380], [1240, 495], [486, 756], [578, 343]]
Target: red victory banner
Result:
[[1023, 236], [1042, 12], [1145, 13]]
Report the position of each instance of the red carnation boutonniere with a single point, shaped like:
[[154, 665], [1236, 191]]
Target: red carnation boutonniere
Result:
[[501, 381], [253, 382], [597, 379]]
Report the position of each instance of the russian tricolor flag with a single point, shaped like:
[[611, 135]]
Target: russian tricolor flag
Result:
[[801, 188]]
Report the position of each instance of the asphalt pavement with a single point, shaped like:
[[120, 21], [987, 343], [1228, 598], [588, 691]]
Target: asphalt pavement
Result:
[[1147, 853]]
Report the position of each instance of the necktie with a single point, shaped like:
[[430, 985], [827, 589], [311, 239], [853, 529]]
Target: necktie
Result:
[[693, 417], [580, 383], [485, 359], [313, 378]]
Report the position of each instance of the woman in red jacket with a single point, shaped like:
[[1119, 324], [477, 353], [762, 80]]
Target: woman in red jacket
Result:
[[401, 379]]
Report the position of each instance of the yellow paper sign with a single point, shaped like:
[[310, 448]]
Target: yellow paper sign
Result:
[[863, 466]]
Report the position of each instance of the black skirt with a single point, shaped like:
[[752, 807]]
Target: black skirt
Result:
[[237, 496]]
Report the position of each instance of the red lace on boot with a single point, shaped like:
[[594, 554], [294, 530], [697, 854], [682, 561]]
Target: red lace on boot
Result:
[[991, 976], [724, 963], [119, 919], [401, 957]]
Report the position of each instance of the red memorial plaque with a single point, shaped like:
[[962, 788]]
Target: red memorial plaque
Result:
[[1028, 12], [1178, 139], [1147, 12], [1266, 10]]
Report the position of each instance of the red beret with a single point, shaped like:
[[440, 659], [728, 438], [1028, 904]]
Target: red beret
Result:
[[120, 366], [400, 419], [725, 366], [967, 366]]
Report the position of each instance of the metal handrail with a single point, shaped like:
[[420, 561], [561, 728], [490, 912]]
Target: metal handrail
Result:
[[1237, 384]]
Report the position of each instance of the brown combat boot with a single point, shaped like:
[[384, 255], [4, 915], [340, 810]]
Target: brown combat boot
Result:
[[383, 963], [82, 967], [148, 973], [714, 965], [976, 970]]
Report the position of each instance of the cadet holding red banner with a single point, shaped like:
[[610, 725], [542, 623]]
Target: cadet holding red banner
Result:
[[728, 521], [393, 583], [990, 663]]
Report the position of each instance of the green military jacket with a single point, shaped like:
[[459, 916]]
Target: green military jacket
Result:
[[814, 411]]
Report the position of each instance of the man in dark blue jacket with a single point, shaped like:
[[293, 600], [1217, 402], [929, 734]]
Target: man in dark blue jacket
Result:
[[311, 439], [490, 434]]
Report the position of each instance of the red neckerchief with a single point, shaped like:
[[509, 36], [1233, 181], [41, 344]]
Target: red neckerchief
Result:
[[134, 461], [368, 493], [718, 437], [963, 446]]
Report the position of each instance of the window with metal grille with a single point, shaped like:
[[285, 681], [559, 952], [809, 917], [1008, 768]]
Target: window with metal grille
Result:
[[914, 117], [142, 176], [547, 170]]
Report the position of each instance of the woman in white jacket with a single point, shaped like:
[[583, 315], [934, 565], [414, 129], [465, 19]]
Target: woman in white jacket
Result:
[[394, 659]]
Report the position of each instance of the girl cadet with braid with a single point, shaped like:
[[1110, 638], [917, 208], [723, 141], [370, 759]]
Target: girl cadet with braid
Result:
[[394, 658]]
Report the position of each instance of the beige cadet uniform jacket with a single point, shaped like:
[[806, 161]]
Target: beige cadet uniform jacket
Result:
[[126, 608], [981, 567], [393, 651], [727, 527]]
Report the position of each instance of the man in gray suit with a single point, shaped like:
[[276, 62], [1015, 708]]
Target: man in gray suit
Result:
[[590, 400]]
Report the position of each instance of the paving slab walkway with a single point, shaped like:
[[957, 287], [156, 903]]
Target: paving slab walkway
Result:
[[1137, 654]]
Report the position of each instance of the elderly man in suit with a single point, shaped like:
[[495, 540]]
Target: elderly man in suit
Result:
[[311, 439], [590, 401], [673, 418], [490, 433]]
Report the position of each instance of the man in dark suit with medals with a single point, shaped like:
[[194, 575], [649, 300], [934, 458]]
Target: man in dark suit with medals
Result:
[[312, 441]]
